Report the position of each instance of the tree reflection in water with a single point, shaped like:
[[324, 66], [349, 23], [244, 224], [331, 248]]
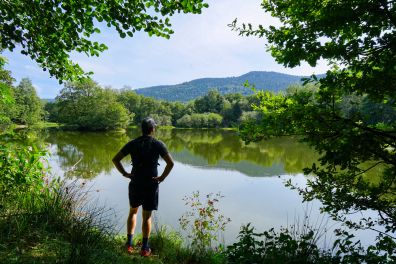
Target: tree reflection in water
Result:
[[87, 154]]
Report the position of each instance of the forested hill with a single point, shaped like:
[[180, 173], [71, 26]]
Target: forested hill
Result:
[[186, 91]]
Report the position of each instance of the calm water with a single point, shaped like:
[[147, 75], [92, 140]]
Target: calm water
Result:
[[251, 177]]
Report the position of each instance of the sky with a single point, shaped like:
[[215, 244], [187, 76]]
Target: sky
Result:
[[202, 46]]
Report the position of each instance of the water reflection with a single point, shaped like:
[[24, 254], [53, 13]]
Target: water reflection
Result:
[[224, 149], [87, 154]]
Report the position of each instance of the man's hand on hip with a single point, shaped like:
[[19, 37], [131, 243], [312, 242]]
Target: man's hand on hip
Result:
[[159, 178]]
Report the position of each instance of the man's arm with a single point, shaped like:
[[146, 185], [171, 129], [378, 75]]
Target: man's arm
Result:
[[169, 165], [117, 163]]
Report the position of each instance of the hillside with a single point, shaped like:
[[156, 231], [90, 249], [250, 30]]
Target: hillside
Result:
[[186, 91]]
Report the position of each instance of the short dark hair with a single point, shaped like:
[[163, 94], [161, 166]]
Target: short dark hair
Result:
[[148, 125]]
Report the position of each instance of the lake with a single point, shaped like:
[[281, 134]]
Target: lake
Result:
[[251, 177]]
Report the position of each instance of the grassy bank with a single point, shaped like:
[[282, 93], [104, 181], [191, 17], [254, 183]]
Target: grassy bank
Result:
[[59, 225]]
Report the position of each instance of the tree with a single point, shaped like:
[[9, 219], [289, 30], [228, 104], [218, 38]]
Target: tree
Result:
[[358, 38], [162, 120], [131, 101], [184, 121], [178, 110], [148, 106], [212, 102], [87, 106], [48, 31], [28, 106], [6, 93], [214, 120], [51, 112]]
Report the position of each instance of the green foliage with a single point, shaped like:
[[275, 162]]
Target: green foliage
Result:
[[285, 246], [48, 31], [6, 95], [207, 120], [161, 111], [131, 101], [350, 117], [249, 116], [86, 105], [51, 112], [21, 166], [212, 102], [20, 104], [148, 106], [78, 105], [350, 251], [291, 245], [28, 106], [162, 120], [203, 222], [170, 248], [342, 183]]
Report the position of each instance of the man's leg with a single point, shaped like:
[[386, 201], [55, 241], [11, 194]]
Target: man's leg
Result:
[[131, 224], [146, 227]]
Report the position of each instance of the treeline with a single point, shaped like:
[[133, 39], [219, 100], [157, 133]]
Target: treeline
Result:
[[87, 106], [22, 106], [18, 104]]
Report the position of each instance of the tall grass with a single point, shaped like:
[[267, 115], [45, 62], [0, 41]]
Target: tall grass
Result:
[[58, 225]]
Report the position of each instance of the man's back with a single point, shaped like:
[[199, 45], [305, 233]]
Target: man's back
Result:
[[145, 151]]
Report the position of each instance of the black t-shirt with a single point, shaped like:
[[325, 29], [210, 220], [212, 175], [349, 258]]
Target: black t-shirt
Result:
[[145, 152]]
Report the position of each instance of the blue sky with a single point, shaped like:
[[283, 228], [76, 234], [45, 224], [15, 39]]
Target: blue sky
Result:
[[202, 46]]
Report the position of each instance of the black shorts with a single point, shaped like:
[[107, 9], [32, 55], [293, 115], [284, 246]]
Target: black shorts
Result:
[[143, 195]]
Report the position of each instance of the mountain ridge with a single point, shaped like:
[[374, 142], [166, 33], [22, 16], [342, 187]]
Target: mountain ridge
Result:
[[189, 90]]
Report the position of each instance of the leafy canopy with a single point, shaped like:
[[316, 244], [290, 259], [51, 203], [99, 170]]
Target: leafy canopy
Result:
[[87, 106], [49, 30], [358, 38]]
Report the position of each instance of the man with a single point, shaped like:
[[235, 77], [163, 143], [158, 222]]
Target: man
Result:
[[143, 187]]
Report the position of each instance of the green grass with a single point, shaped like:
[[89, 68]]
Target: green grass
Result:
[[60, 225]]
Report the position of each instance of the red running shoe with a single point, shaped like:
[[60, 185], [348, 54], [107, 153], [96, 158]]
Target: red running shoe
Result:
[[129, 248], [145, 252]]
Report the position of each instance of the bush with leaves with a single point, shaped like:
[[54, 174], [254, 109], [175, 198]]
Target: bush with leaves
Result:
[[203, 222], [285, 246], [206, 120], [21, 166]]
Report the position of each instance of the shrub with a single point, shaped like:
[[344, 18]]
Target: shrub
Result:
[[21, 167], [207, 120], [286, 246], [204, 222]]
